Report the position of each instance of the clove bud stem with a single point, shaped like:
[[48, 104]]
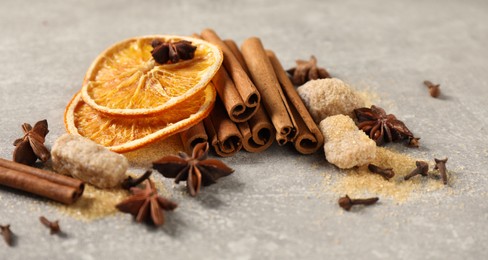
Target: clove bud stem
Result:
[[422, 169], [347, 203], [441, 166], [434, 90], [131, 182], [7, 234], [52, 225], [386, 173]]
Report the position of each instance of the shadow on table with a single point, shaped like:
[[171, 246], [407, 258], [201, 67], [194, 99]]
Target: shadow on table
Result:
[[216, 195]]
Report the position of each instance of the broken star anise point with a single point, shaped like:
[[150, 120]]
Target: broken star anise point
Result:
[[146, 205], [382, 127], [196, 170], [31, 147], [306, 71], [172, 52]]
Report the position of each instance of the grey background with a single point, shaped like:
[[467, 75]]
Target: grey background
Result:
[[275, 205]]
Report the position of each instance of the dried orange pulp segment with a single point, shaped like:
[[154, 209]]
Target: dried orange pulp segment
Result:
[[125, 80], [126, 134]]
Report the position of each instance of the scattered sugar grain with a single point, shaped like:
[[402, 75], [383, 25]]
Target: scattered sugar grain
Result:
[[99, 203], [144, 156], [162, 189], [360, 181], [94, 204], [369, 98], [316, 165]]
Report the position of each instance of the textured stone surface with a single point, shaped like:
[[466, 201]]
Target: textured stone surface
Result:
[[276, 205]]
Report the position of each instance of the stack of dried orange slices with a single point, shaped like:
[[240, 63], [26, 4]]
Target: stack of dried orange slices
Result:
[[128, 100]]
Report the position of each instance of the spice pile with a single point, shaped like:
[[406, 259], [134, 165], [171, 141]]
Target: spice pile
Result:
[[212, 95]]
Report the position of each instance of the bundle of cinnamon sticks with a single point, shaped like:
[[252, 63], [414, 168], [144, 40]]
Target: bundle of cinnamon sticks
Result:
[[257, 104]]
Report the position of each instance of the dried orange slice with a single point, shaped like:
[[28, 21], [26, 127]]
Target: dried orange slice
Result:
[[121, 134], [125, 80]]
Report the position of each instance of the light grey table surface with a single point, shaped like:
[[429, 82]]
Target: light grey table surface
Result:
[[274, 206]]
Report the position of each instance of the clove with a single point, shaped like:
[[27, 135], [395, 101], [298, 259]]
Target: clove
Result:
[[422, 169], [441, 166], [434, 90], [413, 142], [7, 234], [52, 225], [386, 173], [131, 182], [347, 203]]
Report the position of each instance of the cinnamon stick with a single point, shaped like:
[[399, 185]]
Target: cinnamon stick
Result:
[[258, 133], [309, 138], [238, 93], [236, 108], [273, 98], [40, 182], [237, 53], [223, 134], [193, 136]]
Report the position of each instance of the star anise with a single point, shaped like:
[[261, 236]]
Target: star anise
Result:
[[382, 127], [196, 170], [307, 70], [145, 204], [31, 146], [173, 52]]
